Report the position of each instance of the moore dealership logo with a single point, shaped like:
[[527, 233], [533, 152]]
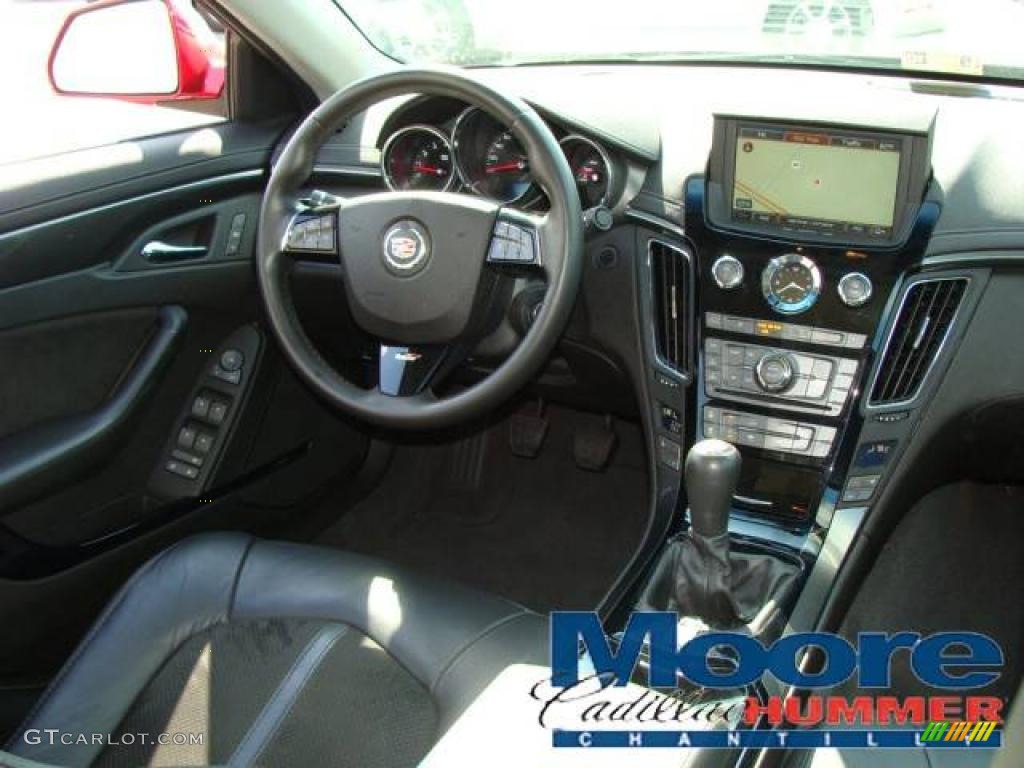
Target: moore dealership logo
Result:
[[645, 688]]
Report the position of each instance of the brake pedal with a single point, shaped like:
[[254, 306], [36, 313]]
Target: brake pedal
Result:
[[593, 445], [527, 432]]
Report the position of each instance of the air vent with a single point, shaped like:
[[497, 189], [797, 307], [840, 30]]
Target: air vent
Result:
[[922, 325], [670, 274]]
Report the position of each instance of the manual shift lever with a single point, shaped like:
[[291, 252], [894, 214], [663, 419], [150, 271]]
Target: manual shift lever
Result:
[[699, 575], [712, 473]]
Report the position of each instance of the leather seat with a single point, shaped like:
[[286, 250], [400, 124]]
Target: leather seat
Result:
[[277, 654]]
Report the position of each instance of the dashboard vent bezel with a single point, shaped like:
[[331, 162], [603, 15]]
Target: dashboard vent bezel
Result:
[[671, 295], [911, 330]]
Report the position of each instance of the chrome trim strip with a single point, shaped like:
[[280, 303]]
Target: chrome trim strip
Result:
[[846, 521], [348, 170], [650, 218], [750, 501], [870, 390], [213, 180]]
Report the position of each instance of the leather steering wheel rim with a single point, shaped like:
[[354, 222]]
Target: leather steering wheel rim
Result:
[[560, 231]]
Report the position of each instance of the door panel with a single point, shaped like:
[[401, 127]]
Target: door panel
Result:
[[78, 361], [104, 351], [49, 454], [53, 222]]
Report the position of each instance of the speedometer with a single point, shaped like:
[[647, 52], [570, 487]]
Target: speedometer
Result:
[[490, 160], [418, 158], [590, 168]]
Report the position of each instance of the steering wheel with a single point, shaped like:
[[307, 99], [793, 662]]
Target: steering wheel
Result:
[[420, 269]]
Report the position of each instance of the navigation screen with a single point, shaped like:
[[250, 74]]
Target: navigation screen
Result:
[[807, 180]]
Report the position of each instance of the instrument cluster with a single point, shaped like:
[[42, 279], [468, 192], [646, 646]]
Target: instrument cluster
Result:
[[483, 157]]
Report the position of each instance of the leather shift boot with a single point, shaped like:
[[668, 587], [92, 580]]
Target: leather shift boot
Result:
[[702, 577]]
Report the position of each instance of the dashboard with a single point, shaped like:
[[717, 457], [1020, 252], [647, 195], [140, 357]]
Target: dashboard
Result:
[[474, 153], [786, 273]]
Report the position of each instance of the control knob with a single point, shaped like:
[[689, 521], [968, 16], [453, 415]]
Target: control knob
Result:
[[727, 272], [855, 289], [775, 372]]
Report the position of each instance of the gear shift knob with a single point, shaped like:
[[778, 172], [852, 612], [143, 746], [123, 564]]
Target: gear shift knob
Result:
[[712, 473]]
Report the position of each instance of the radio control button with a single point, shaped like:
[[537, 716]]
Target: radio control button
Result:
[[816, 388], [822, 369], [831, 338], [775, 372], [734, 355]]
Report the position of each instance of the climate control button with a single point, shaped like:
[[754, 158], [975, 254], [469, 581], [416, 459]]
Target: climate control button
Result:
[[775, 372]]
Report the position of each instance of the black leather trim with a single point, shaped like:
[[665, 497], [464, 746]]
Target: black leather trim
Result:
[[453, 639], [268, 722], [180, 592], [422, 623], [45, 458]]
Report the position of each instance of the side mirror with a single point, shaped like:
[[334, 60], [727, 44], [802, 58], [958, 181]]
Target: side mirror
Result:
[[146, 51]]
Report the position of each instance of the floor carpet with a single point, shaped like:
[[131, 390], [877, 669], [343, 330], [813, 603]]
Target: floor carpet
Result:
[[539, 531]]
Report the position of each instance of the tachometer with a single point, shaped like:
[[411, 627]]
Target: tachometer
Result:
[[418, 158], [490, 160], [591, 169]]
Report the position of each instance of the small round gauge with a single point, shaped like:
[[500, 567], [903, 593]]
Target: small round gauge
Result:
[[855, 289], [791, 283], [418, 158], [489, 158], [590, 168]]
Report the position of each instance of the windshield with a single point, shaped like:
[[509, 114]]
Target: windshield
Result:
[[961, 37]]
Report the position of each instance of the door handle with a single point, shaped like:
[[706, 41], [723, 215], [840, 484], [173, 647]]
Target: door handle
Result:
[[158, 251]]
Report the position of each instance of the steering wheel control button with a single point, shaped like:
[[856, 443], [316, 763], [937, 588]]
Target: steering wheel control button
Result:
[[406, 247], [314, 234], [512, 244], [774, 372], [855, 289], [727, 272]]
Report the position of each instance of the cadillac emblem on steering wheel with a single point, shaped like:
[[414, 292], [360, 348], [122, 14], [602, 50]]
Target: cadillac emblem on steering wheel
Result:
[[406, 247]]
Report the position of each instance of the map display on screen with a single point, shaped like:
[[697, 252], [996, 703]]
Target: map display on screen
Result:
[[828, 182]]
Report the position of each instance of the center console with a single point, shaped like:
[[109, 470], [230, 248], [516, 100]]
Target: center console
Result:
[[801, 233]]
